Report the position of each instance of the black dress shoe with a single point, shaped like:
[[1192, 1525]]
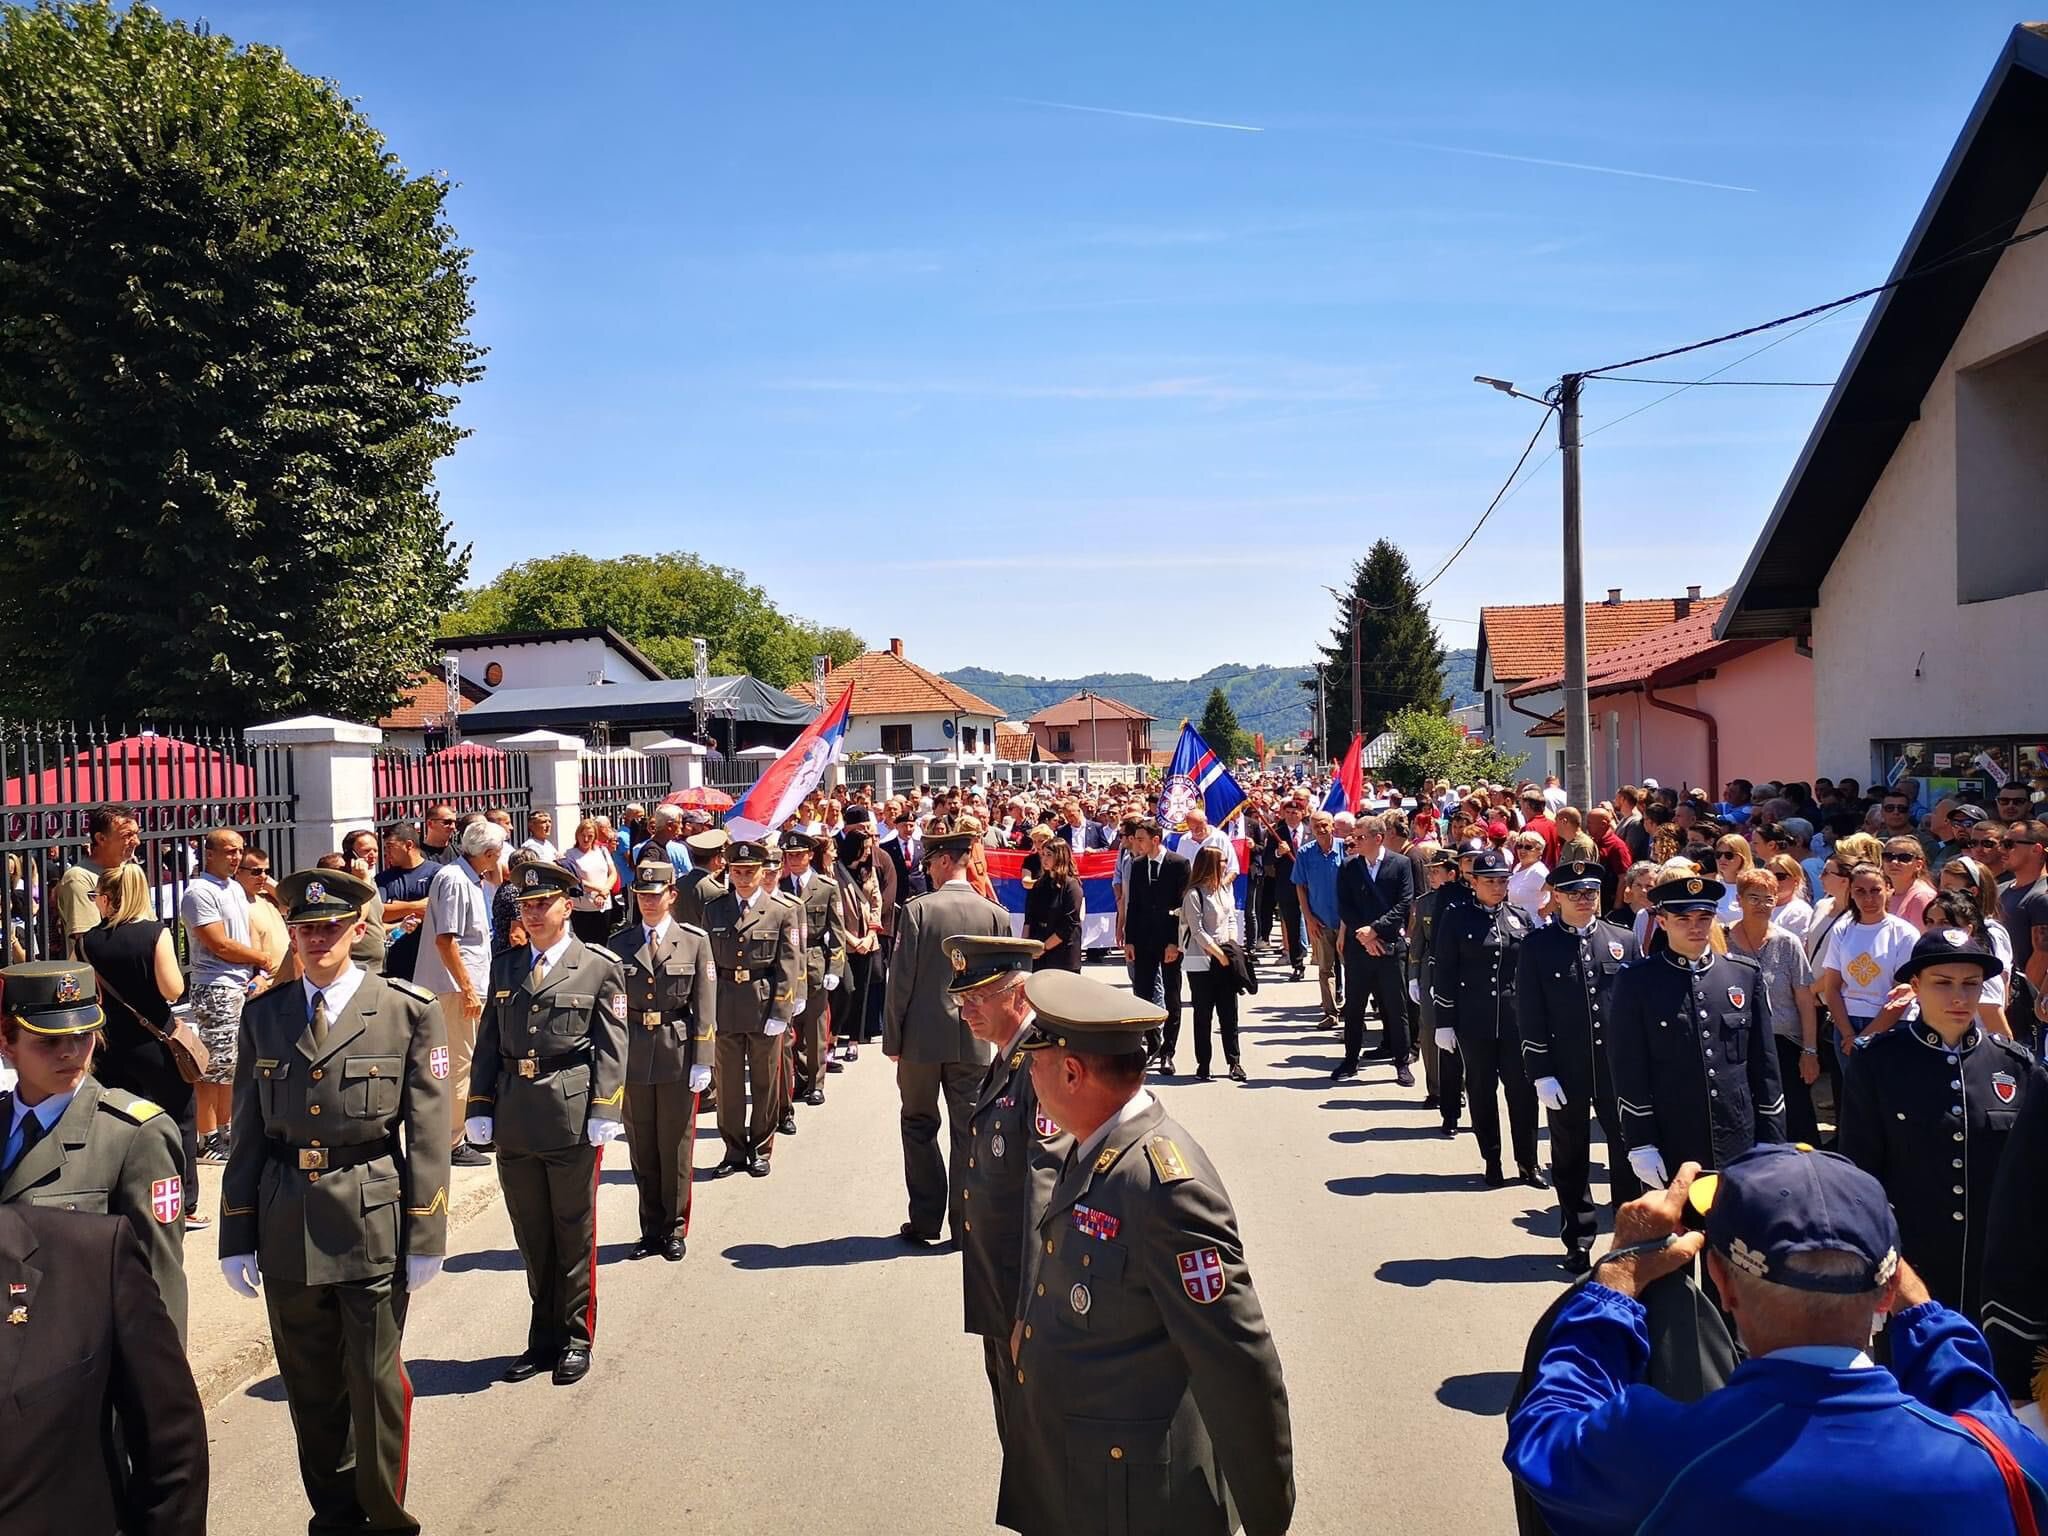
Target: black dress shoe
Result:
[[1430, 1101], [1237, 1073], [758, 1167], [527, 1365], [1344, 1075], [1448, 1128], [646, 1248], [573, 1366], [1495, 1179], [674, 1249], [1535, 1178], [467, 1156], [1166, 1068], [835, 1065], [815, 1097], [1201, 1074], [1403, 1076], [788, 1126], [731, 1165], [1576, 1262], [909, 1234]]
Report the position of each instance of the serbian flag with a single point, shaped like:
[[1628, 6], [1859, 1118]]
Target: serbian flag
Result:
[[1347, 790], [778, 792], [1197, 774], [1096, 870]]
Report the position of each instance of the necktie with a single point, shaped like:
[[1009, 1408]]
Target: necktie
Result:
[[319, 1020], [540, 969], [26, 1136]]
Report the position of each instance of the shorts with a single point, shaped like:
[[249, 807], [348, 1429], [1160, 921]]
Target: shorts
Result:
[[217, 1016]]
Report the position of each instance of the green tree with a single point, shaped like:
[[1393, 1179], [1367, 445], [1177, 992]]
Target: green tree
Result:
[[1402, 660], [1219, 728], [659, 602], [1429, 744], [231, 331]]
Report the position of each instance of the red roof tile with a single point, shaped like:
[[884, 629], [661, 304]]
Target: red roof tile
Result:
[[1666, 656], [1075, 711], [1527, 640], [886, 683], [1013, 746]]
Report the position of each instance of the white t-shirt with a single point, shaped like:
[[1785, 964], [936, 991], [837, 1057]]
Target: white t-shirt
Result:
[[1867, 956], [1526, 889]]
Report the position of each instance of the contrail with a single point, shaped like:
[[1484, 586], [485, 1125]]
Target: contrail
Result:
[[1569, 165], [1149, 117]]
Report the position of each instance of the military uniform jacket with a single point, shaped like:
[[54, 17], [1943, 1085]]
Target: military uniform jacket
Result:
[[920, 1018], [1695, 1068], [1473, 973], [823, 932], [552, 1057], [759, 957], [671, 999], [693, 892], [114, 1155], [1013, 1162], [1931, 1124], [2015, 1288], [1563, 998], [1151, 1391], [317, 1185]]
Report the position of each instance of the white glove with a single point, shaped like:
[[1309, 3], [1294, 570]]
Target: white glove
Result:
[[478, 1130], [1415, 991], [598, 1132], [242, 1275], [774, 1026], [1550, 1093], [831, 983], [700, 1079], [1446, 1038], [420, 1268], [1648, 1164]]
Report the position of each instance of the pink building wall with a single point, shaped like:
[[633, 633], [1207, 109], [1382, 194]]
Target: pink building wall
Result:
[[1762, 704]]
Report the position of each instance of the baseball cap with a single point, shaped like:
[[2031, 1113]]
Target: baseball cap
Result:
[[1777, 1201]]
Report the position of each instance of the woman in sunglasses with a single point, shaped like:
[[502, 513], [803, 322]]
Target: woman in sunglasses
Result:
[[1863, 955], [1905, 864], [1731, 857]]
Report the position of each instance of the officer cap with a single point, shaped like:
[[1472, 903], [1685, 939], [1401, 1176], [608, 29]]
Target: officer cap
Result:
[[1492, 862], [1472, 847], [655, 875], [955, 844], [745, 853], [708, 843], [1578, 875], [52, 997], [1777, 1200], [1948, 946], [1690, 893], [539, 882], [323, 895], [1443, 858], [1084, 1016], [797, 842], [979, 959]]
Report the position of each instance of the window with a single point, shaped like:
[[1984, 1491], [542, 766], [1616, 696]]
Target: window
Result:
[[1064, 742], [896, 740], [2001, 464]]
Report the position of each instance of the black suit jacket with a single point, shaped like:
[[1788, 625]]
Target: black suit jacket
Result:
[[87, 1337], [1383, 902], [1152, 907]]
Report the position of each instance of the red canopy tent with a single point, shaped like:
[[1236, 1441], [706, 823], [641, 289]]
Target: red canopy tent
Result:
[[134, 770]]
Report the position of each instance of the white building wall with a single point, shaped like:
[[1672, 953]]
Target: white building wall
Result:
[[927, 734], [1510, 728], [548, 664]]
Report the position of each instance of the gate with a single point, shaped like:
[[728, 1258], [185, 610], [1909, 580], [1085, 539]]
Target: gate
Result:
[[614, 780], [470, 777]]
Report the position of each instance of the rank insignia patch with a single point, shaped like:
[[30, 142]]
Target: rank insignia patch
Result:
[[1201, 1274], [1166, 1159]]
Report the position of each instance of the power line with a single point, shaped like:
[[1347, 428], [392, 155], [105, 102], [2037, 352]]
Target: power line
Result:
[[1732, 383], [1498, 496]]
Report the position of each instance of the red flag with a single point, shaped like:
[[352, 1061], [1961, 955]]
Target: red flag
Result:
[[1351, 774]]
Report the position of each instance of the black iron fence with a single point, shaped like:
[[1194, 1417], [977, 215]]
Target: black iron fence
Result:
[[469, 777], [735, 775], [611, 781], [173, 786]]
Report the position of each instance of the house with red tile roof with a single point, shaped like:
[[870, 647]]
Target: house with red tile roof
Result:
[[901, 709], [1679, 705], [1092, 728]]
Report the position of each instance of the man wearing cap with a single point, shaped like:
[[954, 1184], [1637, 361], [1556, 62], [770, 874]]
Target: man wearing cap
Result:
[[1803, 1250], [328, 1208], [549, 1087], [70, 1142], [1478, 946], [1564, 983], [671, 1000], [824, 940], [935, 1054], [754, 941], [707, 876], [1689, 1039], [1442, 1082], [1145, 1381], [1014, 1150]]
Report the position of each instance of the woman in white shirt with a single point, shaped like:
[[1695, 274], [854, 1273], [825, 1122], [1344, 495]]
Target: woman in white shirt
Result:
[[1863, 953], [1794, 913], [1527, 887], [590, 908], [1208, 920]]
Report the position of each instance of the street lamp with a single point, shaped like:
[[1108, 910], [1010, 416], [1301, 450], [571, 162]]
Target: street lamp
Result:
[[1578, 739]]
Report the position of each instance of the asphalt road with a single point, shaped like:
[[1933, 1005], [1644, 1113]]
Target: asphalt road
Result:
[[801, 1372]]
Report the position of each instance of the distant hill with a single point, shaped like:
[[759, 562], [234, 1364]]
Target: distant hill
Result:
[[1268, 699]]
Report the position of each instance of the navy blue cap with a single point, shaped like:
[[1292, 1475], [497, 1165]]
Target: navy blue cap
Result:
[[1492, 862], [1776, 1201], [1472, 847], [1574, 876], [1692, 893], [1948, 946]]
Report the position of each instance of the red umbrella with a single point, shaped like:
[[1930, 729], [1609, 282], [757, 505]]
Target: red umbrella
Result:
[[702, 798]]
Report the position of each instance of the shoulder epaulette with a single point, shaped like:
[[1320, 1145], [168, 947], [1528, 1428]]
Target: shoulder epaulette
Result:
[[784, 898], [1166, 1160], [1748, 960], [136, 1111], [2014, 1046], [411, 989], [701, 933]]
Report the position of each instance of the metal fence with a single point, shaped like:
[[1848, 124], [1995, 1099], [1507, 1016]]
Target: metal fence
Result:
[[861, 772], [614, 780], [735, 775], [176, 784], [468, 777]]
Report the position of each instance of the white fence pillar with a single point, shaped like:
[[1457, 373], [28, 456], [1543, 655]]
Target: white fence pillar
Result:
[[334, 776], [885, 774], [554, 765], [685, 762], [920, 768]]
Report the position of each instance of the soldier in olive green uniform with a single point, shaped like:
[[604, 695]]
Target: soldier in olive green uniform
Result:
[[754, 941], [706, 877], [1147, 1391], [824, 941], [549, 1087], [328, 1207], [671, 996], [1014, 1152], [76, 1145]]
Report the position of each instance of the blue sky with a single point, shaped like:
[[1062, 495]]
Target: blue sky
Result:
[[833, 293]]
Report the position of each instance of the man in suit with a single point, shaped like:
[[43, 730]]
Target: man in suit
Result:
[[755, 944], [1157, 880], [335, 1197], [93, 1361], [1375, 890], [823, 932], [1081, 834], [549, 1087], [671, 999], [935, 1053]]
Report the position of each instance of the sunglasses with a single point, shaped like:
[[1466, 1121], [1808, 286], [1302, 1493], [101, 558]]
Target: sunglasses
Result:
[[1901, 809], [1987, 842], [1900, 858], [1840, 872]]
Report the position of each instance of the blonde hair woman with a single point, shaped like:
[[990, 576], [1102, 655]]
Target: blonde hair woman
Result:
[[1732, 856]]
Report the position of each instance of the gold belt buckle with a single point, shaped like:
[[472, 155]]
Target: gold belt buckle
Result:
[[651, 1019], [741, 973], [528, 1067], [312, 1157]]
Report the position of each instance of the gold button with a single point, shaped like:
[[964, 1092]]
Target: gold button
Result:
[[970, 1162], [1041, 1290], [1086, 1261], [317, 1074], [312, 1178], [1048, 1245], [1116, 1453], [966, 1194], [1027, 1330], [967, 1226], [312, 1109], [1020, 1378], [316, 1141], [376, 1071]]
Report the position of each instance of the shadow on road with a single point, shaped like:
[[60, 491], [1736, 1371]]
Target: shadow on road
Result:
[[1400, 1183], [507, 1260], [826, 1253], [1485, 1393], [1389, 1133], [1503, 1269], [454, 1378], [1415, 1103]]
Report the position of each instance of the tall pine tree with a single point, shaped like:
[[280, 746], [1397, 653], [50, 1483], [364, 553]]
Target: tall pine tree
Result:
[[1402, 658], [1219, 727]]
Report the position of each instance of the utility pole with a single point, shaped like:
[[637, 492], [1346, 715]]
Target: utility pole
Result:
[[1094, 741], [1578, 738], [1357, 671], [1322, 718]]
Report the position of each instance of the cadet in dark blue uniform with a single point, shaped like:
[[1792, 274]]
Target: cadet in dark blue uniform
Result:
[[1928, 1107], [1562, 989], [1695, 1068], [1473, 975], [1440, 1074]]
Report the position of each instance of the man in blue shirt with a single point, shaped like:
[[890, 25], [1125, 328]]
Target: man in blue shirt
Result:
[[1315, 872], [1809, 1435]]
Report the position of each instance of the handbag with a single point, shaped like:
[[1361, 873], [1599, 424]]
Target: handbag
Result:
[[188, 1052]]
